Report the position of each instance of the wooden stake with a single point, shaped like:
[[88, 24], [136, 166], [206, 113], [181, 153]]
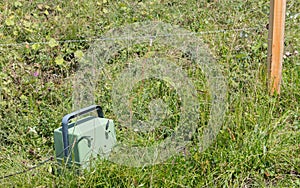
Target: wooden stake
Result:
[[276, 44]]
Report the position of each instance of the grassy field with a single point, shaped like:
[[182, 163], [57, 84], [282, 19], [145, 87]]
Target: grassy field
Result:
[[41, 43]]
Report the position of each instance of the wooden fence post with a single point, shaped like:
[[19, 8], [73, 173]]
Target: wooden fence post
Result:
[[276, 44]]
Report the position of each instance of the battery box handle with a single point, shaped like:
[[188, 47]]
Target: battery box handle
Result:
[[67, 118]]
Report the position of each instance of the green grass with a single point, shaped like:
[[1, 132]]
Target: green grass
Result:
[[258, 144]]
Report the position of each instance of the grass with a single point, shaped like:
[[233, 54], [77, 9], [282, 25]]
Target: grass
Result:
[[258, 144]]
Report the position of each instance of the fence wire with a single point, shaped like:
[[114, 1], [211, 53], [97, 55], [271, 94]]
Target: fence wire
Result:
[[93, 39]]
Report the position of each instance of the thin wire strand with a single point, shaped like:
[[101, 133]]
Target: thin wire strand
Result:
[[34, 167], [126, 38], [28, 169]]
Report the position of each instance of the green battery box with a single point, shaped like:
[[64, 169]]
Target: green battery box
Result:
[[86, 139]]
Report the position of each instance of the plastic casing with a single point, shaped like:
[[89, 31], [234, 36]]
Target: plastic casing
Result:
[[89, 138]]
